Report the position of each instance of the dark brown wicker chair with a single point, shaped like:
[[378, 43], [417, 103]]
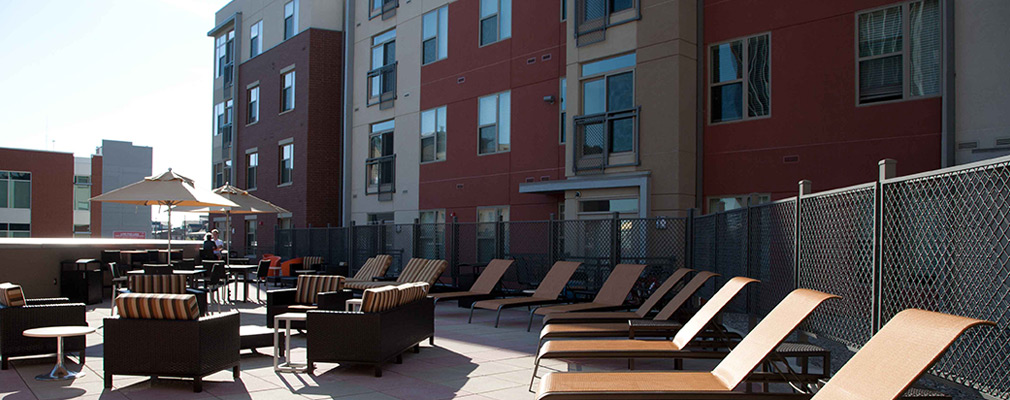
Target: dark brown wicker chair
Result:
[[177, 348], [280, 301], [372, 338], [38, 313]]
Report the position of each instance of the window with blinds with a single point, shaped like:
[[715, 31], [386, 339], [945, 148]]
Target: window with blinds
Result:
[[899, 52], [740, 79]]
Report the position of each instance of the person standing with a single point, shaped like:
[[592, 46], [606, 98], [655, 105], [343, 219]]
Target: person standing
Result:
[[217, 242]]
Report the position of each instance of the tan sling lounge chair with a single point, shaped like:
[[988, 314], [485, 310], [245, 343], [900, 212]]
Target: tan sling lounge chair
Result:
[[374, 267], [547, 292], [682, 296], [611, 295], [883, 369], [737, 365], [484, 284], [416, 270], [620, 329], [637, 348]]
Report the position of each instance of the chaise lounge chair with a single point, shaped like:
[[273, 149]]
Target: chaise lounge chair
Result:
[[547, 292], [374, 267], [416, 270], [484, 284], [883, 369], [643, 311], [637, 348], [611, 295]]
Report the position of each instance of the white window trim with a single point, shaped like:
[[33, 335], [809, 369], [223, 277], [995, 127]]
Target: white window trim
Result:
[[258, 38], [280, 145], [259, 100], [906, 70], [294, 82], [744, 79]]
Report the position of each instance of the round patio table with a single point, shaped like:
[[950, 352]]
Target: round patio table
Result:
[[59, 372]]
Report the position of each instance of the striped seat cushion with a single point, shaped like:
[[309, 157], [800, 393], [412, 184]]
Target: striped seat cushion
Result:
[[412, 270], [309, 287], [166, 284], [411, 292], [427, 272], [158, 306], [309, 262], [11, 295], [380, 299]]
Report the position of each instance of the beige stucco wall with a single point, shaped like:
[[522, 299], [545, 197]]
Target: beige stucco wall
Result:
[[982, 52]]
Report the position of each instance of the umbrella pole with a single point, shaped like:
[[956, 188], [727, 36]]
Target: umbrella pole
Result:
[[169, 257], [227, 224]]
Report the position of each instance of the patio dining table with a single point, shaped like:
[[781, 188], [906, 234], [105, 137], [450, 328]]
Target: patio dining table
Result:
[[243, 271]]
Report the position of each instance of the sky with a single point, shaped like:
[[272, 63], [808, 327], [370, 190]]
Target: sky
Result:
[[74, 72]]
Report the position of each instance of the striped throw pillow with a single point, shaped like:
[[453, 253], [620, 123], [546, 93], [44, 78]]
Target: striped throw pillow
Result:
[[411, 292], [158, 306], [11, 295], [309, 287], [380, 299], [168, 284]]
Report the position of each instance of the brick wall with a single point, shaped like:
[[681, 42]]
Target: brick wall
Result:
[[52, 189]]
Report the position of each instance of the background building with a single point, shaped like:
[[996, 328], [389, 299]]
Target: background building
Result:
[[278, 68], [46, 193]]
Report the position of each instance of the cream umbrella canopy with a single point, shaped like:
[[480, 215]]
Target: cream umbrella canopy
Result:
[[246, 204], [168, 189]]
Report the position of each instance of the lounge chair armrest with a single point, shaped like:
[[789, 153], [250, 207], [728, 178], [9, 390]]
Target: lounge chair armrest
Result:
[[652, 326], [44, 301], [281, 297]]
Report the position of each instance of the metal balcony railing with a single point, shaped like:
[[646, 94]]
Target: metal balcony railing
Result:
[[382, 86], [594, 17], [595, 140], [380, 176], [384, 8], [228, 75]]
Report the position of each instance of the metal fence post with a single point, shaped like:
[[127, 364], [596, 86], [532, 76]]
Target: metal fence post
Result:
[[351, 263], [277, 239], [805, 188], [747, 260], [887, 168], [415, 232], [454, 255], [499, 238], [552, 237], [615, 240], [689, 239]]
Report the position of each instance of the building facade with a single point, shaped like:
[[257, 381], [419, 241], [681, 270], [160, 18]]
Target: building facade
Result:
[[47, 194], [277, 112]]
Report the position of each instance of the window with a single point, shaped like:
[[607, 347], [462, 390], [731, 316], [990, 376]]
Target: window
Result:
[[223, 53], [380, 218], [609, 120], [253, 110], [487, 232], [594, 17], [288, 91], [250, 234], [493, 122], [218, 175], [252, 161], [256, 39], [609, 206], [15, 189], [883, 52], [382, 76], [290, 19], [286, 153], [564, 113], [285, 222], [82, 230], [227, 123], [82, 192], [15, 230], [385, 8], [432, 234], [741, 77], [433, 134], [725, 203], [218, 118], [435, 31], [564, 10], [227, 171], [495, 20], [380, 164]]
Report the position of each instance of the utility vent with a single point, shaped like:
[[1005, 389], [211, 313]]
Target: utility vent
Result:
[[967, 145], [459, 186], [791, 159], [529, 179], [531, 60], [1003, 141], [461, 79], [545, 178], [545, 57]]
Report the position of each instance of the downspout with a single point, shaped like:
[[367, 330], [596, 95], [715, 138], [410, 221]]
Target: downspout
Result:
[[699, 106], [948, 154], [348, 103]]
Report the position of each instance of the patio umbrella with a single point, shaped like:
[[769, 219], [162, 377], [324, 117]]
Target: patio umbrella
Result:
[[246, 204], [168, 189]]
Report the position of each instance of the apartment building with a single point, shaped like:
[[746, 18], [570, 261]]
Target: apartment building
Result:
[[277, 101], [46, 194], [824, 90]]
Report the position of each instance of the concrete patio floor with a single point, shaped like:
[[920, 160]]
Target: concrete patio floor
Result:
[[468, 361]]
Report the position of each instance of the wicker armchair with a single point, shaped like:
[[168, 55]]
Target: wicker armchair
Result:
[[165, 284], [189, 348], [312, 292], [38, 313]]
